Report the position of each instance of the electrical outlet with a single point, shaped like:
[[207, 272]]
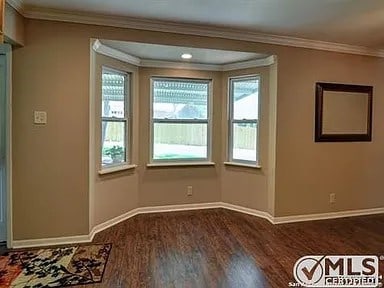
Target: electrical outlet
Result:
[[40, 117], [332, 198], [189, 190]]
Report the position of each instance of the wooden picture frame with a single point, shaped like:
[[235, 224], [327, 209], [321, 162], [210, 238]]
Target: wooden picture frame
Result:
[[343, 112]]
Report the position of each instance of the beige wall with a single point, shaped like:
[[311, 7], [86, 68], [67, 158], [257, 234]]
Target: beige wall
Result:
[[272, 131], [51, 170], [50, 163], [247, 187], [307, 172], [13, 26]]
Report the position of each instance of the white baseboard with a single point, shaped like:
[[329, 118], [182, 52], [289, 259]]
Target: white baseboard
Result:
[[325, 216], [181, 207], [109, 223], [112, 222], [50, 241], [250, 211], [185, 207], [151, 209]]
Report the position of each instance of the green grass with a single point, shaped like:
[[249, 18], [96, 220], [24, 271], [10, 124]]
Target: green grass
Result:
[[175, 156]]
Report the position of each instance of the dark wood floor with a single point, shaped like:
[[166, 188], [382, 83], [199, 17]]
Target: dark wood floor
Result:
[[221, 248]]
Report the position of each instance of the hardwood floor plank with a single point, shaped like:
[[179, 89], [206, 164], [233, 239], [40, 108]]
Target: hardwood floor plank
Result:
[[222, 248]]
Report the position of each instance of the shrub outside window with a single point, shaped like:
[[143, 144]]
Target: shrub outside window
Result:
[[115, 118]]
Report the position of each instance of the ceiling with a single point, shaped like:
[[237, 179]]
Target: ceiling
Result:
[[173, 53], [354, 22]]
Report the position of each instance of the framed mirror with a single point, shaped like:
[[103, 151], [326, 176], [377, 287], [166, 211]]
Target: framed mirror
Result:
[[343, 113]]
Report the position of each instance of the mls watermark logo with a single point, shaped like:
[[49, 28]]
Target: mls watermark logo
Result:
[[337, 271]]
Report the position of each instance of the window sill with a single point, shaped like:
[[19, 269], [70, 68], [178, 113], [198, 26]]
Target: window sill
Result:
[[117, 169], [242, 165], [181, 164]]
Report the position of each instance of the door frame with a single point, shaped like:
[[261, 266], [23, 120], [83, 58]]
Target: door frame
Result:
[[6, 49]]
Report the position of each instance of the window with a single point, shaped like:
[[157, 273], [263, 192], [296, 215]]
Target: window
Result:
[[115, 118], [180, 119], [244, 120]]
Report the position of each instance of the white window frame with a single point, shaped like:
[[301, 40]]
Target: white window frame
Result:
[[126, 119], [232, 121], [207, 121]]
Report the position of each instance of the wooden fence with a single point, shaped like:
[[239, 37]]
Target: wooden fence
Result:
[[187, 135]]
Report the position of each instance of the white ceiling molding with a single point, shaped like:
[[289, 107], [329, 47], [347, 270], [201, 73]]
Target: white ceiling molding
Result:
[[125, 57], [190, 29], [209, 67], [17, 5], [114, 53], [249, 64], [179, 65]]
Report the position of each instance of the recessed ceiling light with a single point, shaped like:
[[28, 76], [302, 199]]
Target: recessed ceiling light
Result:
[[186, 56]]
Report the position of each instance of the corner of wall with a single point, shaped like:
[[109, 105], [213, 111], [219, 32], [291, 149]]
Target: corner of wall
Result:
[[13, 26], [272, 137], [91, 184]]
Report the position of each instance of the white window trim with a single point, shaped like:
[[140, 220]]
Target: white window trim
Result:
[[242, 165], [181, 164], [233, 161], [111, 168], [119, 168], [183, 161]]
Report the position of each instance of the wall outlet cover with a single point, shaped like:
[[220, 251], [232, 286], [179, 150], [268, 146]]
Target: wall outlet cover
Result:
[[40, 117]]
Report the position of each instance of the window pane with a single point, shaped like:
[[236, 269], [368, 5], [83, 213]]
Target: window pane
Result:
[[175, 99], [244, 141], [180, 141], [114, 93], [113, 142], [245, 99]]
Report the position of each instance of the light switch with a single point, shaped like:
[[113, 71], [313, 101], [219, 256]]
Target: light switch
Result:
[[40, 117]]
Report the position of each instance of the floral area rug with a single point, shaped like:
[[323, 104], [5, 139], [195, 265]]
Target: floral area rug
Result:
[[57, 267]]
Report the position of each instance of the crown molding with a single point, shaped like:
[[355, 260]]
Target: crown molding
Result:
[[119, 55], [18, 5], [179, 65], [208, 67], [189, 29], [249, 64], [114, 53]]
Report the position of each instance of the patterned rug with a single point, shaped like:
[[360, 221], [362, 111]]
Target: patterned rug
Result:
[[58, 267]]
